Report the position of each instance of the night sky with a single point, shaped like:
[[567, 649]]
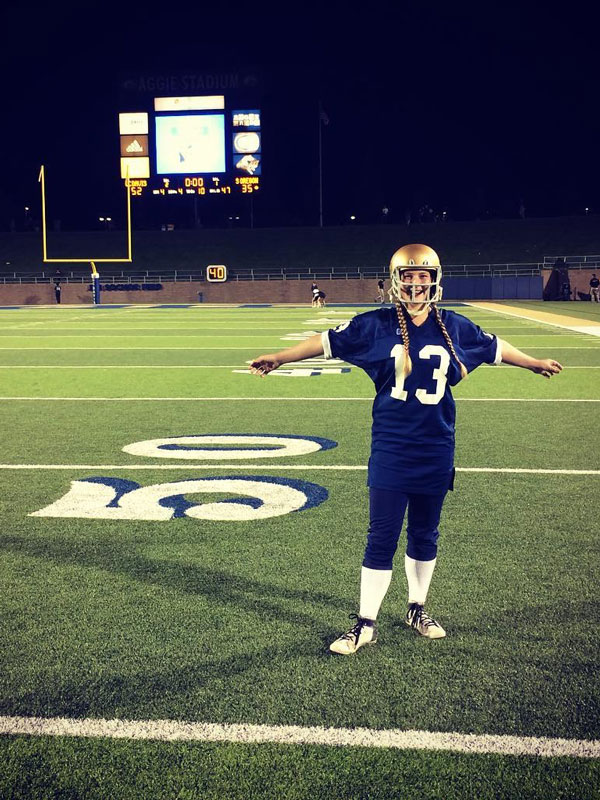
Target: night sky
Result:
[[472, 110]]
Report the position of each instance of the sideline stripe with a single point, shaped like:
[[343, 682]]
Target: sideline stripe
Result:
[[312, 399], [172, 730], [275, 466], [564, 321]]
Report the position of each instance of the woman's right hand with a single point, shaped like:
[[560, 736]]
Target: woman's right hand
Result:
[[264, 364]]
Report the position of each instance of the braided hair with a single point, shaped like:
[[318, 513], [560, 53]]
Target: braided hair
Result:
[[407, 366], [440, 322]]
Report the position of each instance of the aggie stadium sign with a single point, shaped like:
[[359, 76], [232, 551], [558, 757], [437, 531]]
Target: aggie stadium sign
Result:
[[185, 82]]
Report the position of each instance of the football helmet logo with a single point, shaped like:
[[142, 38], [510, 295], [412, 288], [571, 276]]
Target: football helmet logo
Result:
[[411, 257]]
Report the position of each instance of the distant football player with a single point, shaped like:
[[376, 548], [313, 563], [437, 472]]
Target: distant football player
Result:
[[318, 296], [314, 291], [414, 352]]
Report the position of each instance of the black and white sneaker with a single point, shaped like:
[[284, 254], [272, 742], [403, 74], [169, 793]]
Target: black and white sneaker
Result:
[[362, 632], [418, 619]]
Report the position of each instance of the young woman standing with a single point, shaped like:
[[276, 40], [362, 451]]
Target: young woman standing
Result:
[[413, 353]]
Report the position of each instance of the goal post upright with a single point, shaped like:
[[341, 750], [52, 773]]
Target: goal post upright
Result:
[[91, 261], [127, 260]]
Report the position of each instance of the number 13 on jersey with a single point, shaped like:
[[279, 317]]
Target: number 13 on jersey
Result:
[[439, 374]]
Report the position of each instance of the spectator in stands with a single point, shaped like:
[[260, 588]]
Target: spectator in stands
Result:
[[594, 289], [414, 353]]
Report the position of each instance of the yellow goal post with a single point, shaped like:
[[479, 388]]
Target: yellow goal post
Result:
[[92, 261]]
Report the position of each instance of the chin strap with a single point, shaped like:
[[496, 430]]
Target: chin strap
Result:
[[425, 307]]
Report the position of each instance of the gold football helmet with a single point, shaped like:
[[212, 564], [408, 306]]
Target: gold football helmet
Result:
[[410, 257]]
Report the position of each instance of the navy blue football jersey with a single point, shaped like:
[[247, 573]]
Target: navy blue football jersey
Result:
[[412, 442]]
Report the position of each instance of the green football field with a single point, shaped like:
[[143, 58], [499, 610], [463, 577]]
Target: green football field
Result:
[[181, 541]]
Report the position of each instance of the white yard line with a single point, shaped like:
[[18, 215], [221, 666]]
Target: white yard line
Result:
[[293, 399], [260, 325], [102, 335], [246, 347], [174, 730], [307, 363], [101, 347], [54, 367], [274, 466], [284, 325]]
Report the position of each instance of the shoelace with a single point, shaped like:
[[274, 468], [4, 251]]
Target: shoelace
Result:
[[356, 630], [418, 616]]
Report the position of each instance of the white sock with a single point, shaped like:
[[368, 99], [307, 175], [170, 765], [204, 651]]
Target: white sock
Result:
[[418, 575], [374, 584]]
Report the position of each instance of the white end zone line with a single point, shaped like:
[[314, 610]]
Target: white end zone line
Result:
[[273, 466], [172, 730]]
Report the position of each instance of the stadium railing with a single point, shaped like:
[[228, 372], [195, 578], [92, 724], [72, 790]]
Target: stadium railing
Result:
[[82, 275]]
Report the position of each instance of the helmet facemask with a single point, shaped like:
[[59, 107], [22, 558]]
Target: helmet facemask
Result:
[[417, 297]]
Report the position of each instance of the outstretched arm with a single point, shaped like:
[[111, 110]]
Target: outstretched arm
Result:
[[542, 366], [267, 363]]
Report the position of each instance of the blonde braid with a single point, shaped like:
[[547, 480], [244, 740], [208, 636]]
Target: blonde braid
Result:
[[438, 316], [407, 366]]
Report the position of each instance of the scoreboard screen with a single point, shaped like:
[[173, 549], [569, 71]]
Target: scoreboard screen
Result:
[[191, 146]]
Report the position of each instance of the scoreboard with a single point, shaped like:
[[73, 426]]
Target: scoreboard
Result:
[[191, 145]]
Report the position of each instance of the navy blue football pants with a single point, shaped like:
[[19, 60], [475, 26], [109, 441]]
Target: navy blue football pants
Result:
[[387, 510]]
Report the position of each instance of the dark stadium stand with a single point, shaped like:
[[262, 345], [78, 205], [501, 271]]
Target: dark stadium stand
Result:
[[486, 248]]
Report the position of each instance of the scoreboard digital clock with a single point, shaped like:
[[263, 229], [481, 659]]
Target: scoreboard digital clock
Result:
[[216, 273], [191, 146]]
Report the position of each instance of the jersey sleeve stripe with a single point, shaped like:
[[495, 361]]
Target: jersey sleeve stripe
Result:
[[498, 357]]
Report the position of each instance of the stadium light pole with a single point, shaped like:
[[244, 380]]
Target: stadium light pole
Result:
[[320, 176], [323, 120]]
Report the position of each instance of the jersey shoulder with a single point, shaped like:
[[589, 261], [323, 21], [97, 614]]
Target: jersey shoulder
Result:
[[377, 322], [468, 336]]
